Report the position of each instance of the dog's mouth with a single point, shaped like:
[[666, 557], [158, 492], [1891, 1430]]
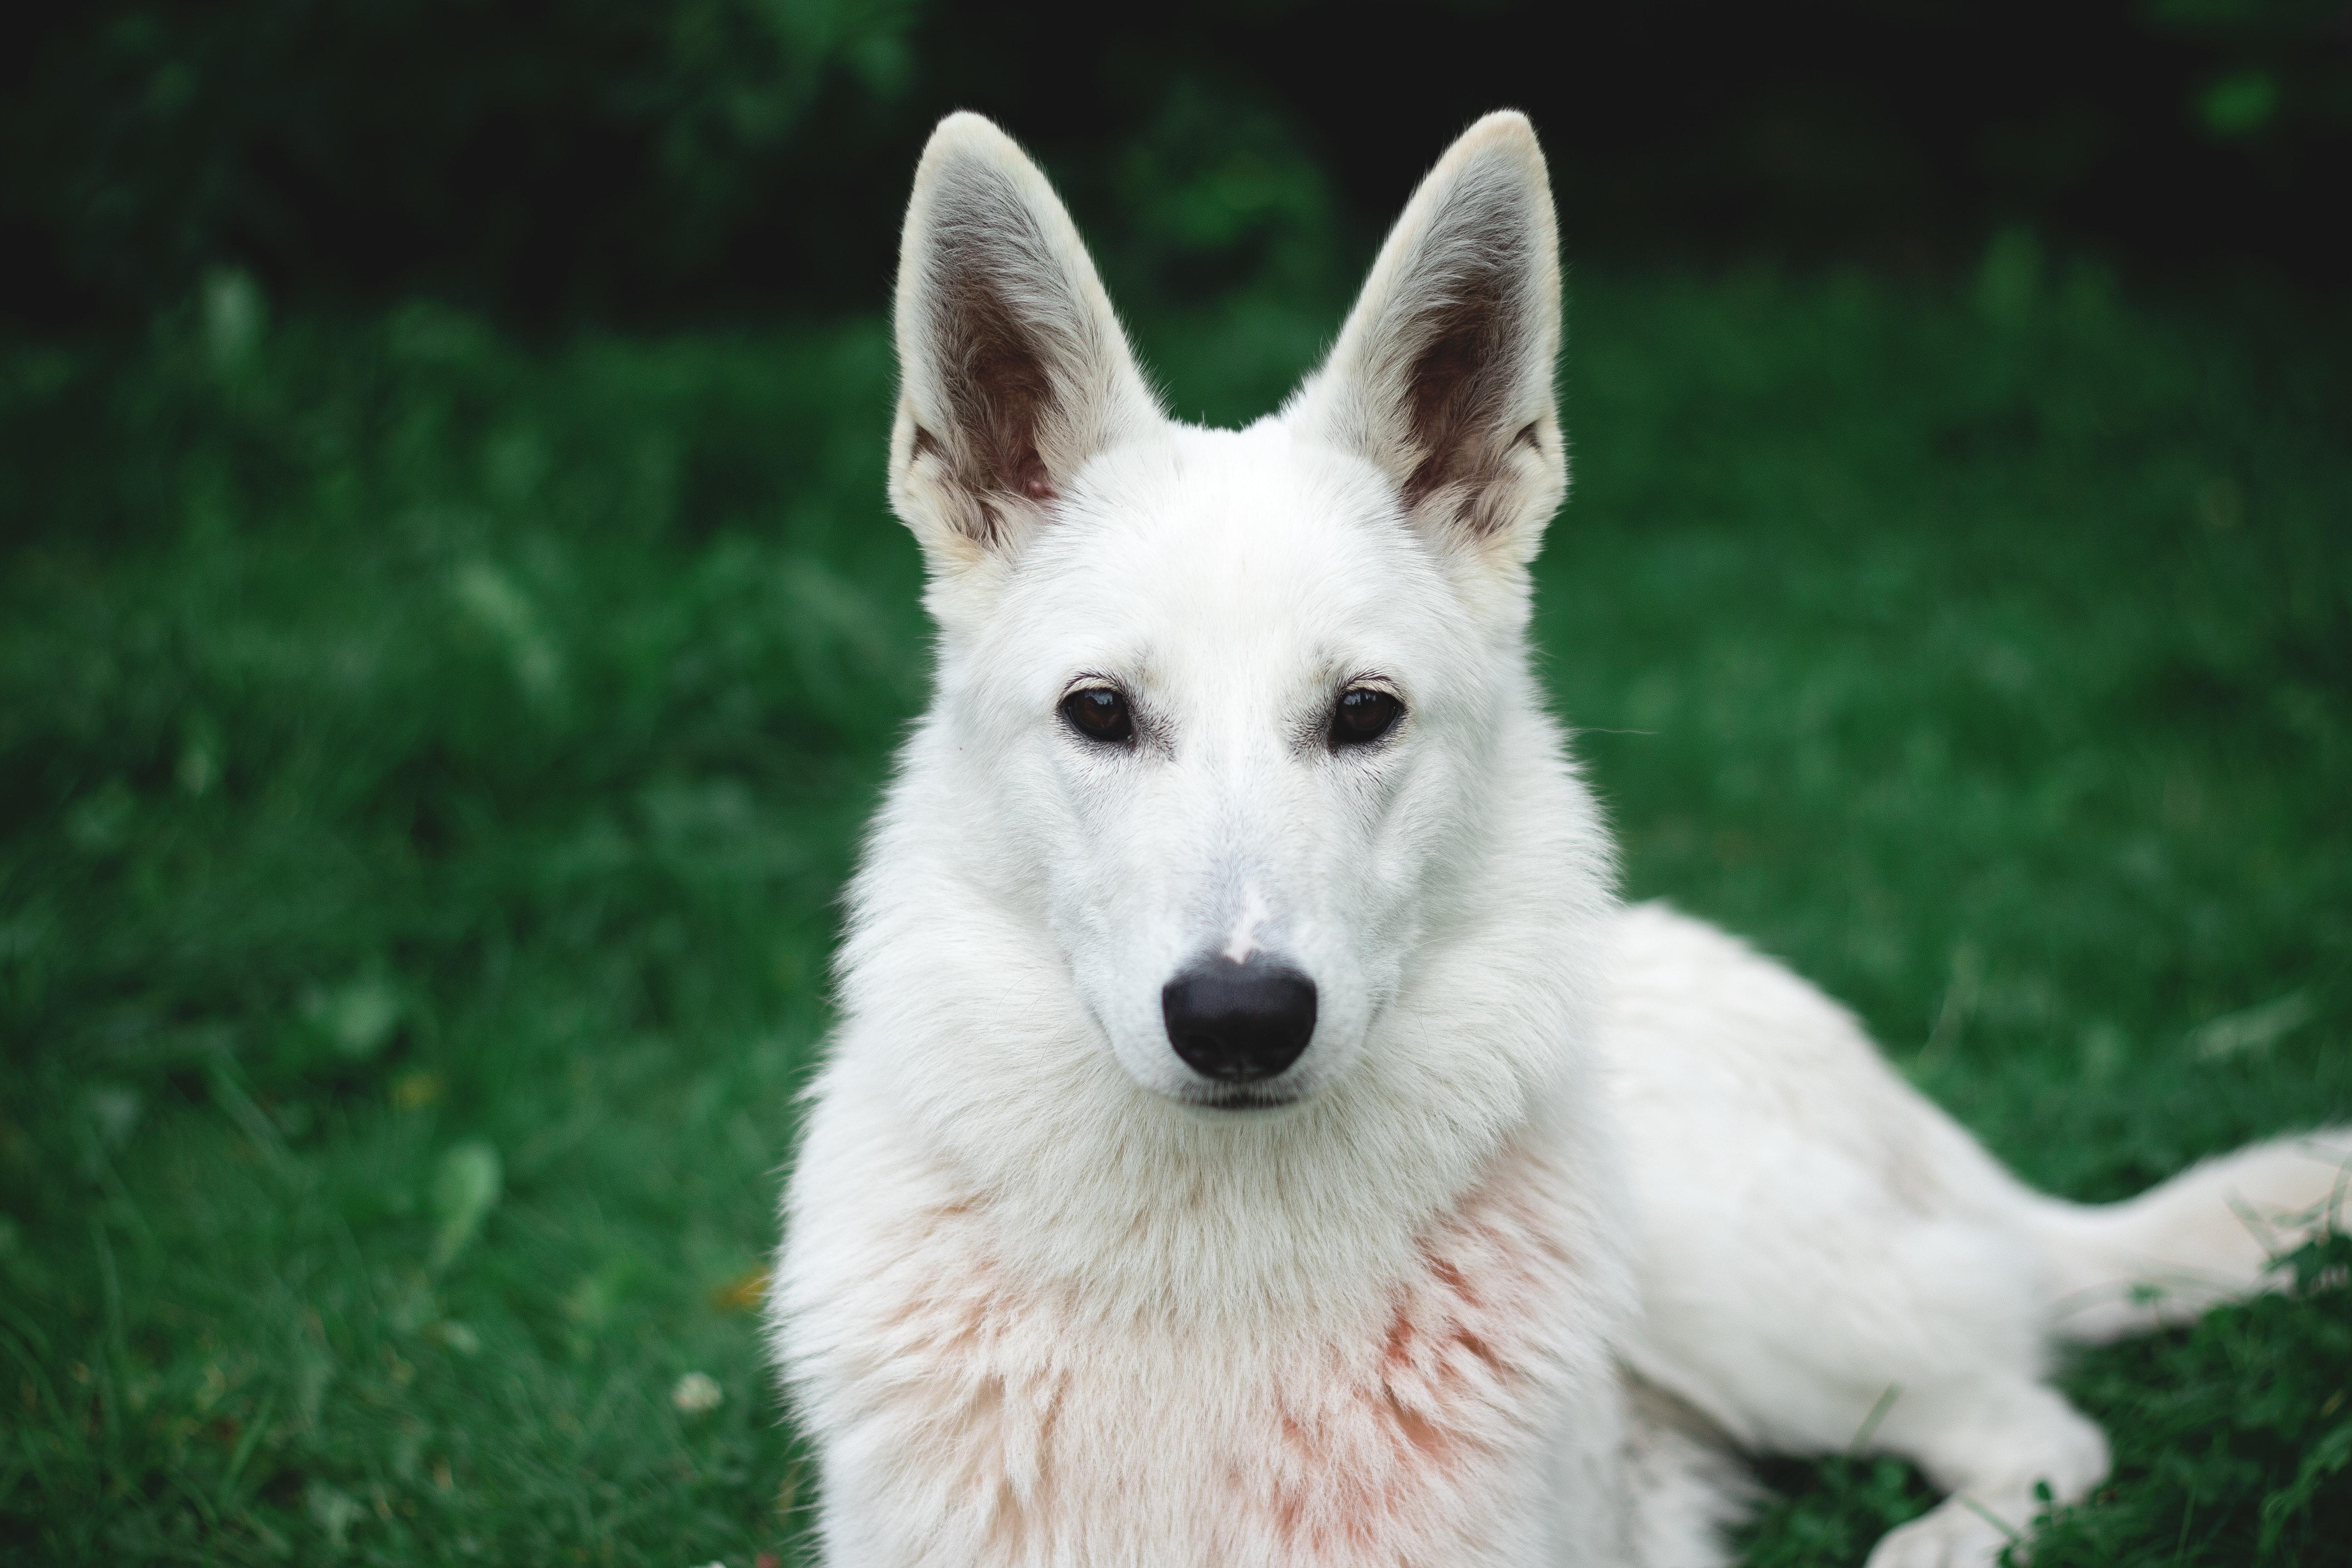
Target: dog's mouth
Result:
[[1242, 1100]]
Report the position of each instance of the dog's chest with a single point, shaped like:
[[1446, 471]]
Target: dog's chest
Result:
[[995, 1422]]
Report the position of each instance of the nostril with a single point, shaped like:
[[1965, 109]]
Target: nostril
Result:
[[1239, 1023]]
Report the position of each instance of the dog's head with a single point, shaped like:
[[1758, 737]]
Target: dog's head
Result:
[[1224, 704]]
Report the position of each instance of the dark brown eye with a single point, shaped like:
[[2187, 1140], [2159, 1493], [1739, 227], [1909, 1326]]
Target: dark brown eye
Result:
[[1099, 713], [1363, 715]]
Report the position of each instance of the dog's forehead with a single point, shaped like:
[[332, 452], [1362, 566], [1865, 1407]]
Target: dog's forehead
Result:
[[1233, 549]]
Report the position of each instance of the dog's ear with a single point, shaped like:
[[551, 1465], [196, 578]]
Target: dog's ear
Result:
[[1013, 369], [1443, 375]]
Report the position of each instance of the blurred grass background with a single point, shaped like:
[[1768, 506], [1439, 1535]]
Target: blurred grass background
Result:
[[450, 637]]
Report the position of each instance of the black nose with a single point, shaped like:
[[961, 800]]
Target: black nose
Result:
[[1238, 1023]]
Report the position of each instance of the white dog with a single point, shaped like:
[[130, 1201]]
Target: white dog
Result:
[[1256, 1134]]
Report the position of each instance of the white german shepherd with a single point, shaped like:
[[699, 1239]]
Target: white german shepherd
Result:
[[1256, 1134]]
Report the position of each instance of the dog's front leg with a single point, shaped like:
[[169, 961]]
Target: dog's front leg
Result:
[[1991, 1442]]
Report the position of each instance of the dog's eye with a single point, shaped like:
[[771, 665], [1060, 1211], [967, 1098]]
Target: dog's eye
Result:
[[1099, 713], [1362, 715]]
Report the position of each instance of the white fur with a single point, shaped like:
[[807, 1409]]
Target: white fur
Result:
[[1561, 1196]]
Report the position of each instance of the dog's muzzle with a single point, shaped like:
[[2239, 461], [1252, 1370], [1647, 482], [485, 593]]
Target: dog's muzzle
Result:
[[1239, 1023]]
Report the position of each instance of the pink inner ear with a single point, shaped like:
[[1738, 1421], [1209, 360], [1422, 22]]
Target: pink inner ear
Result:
[[1034, 481]]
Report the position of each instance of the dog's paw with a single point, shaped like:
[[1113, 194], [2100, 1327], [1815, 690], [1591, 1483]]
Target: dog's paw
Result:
[[1962, 1534]]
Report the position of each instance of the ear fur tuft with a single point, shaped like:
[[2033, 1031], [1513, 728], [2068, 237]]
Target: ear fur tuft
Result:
[[1442, 375], [1012, 368]]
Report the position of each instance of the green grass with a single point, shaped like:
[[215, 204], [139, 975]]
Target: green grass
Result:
[[426, 765]]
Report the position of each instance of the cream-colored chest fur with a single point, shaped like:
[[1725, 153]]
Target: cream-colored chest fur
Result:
[[978, 1418]]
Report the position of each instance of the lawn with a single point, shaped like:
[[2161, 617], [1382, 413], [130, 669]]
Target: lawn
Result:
[[427, 761]]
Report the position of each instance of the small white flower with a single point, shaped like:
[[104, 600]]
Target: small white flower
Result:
[[697, 1393]]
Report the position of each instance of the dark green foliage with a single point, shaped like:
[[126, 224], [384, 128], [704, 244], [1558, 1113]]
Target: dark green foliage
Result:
[[1829, 1511], [651, 161], [426, 765], [563, 155], [2233, 1439], [428, 772]]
